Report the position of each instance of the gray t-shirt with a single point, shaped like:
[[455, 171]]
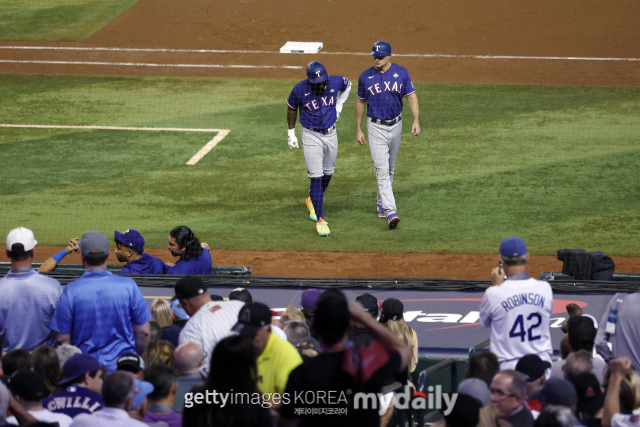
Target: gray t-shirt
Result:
[[624, 342], [598, 369]]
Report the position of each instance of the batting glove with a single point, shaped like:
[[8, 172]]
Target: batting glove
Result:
[[338, 111], [292, 140]]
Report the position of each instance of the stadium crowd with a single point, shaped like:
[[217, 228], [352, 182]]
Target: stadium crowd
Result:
[[95, 354]]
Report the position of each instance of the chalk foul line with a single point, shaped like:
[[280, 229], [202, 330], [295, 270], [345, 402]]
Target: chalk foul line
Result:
[[410, 55], [221, 133], [146, 64]]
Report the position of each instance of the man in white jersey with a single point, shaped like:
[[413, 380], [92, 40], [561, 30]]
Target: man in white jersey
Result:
[[517, 308], [210, 321]]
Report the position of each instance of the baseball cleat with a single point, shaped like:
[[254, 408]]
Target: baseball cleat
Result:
[[393, 221], [322, 227], [381, 213], [312, 212]]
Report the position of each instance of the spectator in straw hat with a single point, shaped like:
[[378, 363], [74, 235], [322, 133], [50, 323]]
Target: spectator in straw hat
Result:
[[101, 308], [27, 296]]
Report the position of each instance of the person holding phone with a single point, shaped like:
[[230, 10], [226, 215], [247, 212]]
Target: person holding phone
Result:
[[517, 308]]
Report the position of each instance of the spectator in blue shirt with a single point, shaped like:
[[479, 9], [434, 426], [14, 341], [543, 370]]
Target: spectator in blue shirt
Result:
[[130, 249], [194, 256], [27, 299], [96, 313]]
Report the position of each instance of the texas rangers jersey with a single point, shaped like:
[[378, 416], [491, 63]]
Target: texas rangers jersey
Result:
[[518, 313], [317, 111], [383, 92]]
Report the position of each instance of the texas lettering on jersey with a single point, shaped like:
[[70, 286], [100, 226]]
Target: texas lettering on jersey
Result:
[[317, 110], [314, 104], [375, 89], [383, 92]]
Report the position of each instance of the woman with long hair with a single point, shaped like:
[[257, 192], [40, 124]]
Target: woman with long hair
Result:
[[162, 313], [47, 364], [159, 352], [232, 371], [392, 317]]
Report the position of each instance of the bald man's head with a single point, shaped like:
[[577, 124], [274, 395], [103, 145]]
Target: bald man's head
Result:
[[188, 357]]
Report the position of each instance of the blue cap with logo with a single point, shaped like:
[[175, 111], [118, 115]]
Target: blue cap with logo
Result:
[[142, 389], [381, 48], [131, 238], [513, 247], [316, 72]]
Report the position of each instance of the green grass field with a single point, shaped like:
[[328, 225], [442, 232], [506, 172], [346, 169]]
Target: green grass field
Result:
[[555, 165], [57, 20]]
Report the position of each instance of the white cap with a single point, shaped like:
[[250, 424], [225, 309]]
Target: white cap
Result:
[[22, 236]]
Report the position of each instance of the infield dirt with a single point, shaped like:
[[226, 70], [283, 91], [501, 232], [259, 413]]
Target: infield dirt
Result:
[[546, 28]]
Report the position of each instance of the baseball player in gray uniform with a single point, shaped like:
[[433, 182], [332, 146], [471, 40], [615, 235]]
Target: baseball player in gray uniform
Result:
[[382, 88], [320, 98]]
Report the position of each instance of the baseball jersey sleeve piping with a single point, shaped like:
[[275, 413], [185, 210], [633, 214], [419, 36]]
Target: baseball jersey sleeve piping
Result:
[[360, 97], [410, 93], [287, 101]]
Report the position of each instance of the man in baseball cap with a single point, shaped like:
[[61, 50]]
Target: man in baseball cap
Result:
[[101, 309], [130, 249], [534, 368], [381, 48], [131, 362], [556, 391], [590, 398], [211, 321], [358, 334], [29, 389], [83, 377], [28, 298], [515, 298], [140, 404], [241, 294], [276, 356]]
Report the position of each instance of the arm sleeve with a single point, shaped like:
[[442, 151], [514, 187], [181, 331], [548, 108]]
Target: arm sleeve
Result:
[[485, 311], [407, 88], [602, 338], [293, 101], [62, 321], [140, 312], [361, 89], [344, 94]]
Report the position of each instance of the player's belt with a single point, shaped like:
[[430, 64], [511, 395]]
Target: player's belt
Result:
[[323, 131], [386, 122]]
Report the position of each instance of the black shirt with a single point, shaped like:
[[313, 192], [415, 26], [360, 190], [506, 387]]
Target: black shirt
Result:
[[522, 418], [360, 336], [327, 373]]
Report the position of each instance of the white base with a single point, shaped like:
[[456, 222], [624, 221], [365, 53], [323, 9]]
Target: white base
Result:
[[301, 47]]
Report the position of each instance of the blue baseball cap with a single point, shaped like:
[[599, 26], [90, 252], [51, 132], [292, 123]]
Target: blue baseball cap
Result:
[[381, 48], [513, 247], [178, 310], [143, 388], [556, 391], [316, 72], [131, 238]]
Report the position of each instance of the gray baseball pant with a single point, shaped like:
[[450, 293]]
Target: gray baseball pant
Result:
[[384, 143], [320, 152]]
